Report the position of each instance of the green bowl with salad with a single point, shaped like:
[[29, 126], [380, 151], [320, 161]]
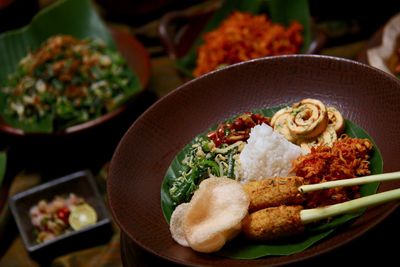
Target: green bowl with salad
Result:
[[70, 75]]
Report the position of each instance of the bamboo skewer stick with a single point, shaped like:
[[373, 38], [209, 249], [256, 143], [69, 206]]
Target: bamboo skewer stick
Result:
[[350, 182], [316, 214], [271, 220]]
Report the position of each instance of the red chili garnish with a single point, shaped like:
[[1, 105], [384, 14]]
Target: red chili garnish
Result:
[[238, 130], [63, 214]]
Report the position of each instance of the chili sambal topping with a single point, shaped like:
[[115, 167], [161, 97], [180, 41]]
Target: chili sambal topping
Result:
[[238, 129], [69, 80], [347, 158]]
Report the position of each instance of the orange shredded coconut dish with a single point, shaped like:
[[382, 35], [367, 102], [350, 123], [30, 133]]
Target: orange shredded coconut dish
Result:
[[243, 36], [347, 158]]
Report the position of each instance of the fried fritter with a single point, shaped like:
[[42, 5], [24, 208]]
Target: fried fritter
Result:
[[273, 223], [273, 192]]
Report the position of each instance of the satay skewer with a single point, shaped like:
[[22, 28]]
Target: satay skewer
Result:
[[272, 192], [311, 215], [350, 182], [283, 221]]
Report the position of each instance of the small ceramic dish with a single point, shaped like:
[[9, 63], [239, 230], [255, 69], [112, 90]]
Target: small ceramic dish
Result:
[[81, 184]]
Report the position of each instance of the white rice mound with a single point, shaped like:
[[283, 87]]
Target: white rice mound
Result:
[[267, 154]]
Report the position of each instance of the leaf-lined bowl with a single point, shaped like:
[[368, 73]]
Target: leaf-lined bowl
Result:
[[79, 19], [182, 31]]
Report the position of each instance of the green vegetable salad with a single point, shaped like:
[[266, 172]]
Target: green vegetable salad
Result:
[[65, 82], [214, 155]]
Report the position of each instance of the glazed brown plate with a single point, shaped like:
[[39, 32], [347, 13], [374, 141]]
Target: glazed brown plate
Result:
[[366, 96]]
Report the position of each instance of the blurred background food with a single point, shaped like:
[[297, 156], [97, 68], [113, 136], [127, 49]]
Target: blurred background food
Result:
[[34, 145], [65, 82], [61, 216], [236, 31], [384, 48]]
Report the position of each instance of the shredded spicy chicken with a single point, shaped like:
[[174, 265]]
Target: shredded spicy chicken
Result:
[[243, 36], [348, 158]]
